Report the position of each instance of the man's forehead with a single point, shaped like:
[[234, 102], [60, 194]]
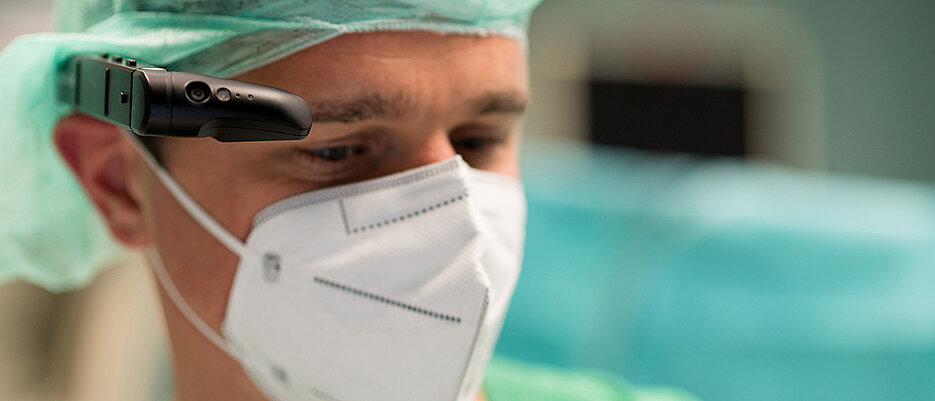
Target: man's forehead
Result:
[[399, 44], [382, 75], [355, 52]]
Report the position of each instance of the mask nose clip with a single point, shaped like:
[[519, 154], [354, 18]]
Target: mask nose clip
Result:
[[271, 267]]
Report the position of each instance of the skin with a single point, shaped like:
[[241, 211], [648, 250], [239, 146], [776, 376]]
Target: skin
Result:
[[446, 94]]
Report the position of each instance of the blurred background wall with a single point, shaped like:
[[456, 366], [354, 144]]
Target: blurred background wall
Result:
[[841, 85], [821, 86]]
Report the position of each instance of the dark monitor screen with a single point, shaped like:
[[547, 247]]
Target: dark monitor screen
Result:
[[702, 120]]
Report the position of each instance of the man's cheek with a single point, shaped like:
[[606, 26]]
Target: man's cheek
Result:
[[200, 267]]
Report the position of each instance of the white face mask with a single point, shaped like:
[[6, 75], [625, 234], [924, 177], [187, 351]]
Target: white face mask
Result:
[[391, 289]]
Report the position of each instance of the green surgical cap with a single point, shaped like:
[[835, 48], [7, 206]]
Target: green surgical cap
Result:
[[49, 233]]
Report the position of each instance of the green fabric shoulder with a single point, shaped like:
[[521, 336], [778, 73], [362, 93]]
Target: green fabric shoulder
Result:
[[508, 380]]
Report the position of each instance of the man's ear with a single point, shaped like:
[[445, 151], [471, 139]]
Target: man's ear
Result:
[[96, 153]]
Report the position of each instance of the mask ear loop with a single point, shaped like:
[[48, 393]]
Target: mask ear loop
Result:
[[193, 208], [210, 225], [163, 276]]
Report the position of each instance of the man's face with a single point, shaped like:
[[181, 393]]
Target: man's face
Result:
[[381, 102]]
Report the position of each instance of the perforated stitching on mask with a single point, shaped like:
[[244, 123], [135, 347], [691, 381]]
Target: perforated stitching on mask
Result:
[[358, 189], [402, 217], [347, 228], [388, 301]]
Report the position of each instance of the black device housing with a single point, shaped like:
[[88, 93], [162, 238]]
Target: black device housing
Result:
[[154, 102]]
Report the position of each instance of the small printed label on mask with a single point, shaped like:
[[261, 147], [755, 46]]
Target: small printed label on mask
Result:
[[280, 374], [271, 267]]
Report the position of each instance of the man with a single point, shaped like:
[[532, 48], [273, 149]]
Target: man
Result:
[[403, 303], [428, 97]]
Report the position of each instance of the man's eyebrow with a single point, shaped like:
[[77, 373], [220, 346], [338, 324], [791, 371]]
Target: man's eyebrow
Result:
[[387, 107], [370, 107], [500, 102]]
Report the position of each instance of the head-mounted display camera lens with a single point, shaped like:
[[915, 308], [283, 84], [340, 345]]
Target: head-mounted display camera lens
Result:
[[197, 92]]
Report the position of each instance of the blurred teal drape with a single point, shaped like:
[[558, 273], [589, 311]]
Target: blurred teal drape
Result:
[[736, 282]]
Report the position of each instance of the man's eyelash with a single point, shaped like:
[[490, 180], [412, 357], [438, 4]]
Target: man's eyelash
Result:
[[336, 153]]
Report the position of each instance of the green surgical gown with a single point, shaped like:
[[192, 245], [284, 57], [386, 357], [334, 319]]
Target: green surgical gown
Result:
[[509, 380]]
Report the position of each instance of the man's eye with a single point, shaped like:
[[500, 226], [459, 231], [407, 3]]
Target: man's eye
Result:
[[346, 159], [472, 144], [335, 153]]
